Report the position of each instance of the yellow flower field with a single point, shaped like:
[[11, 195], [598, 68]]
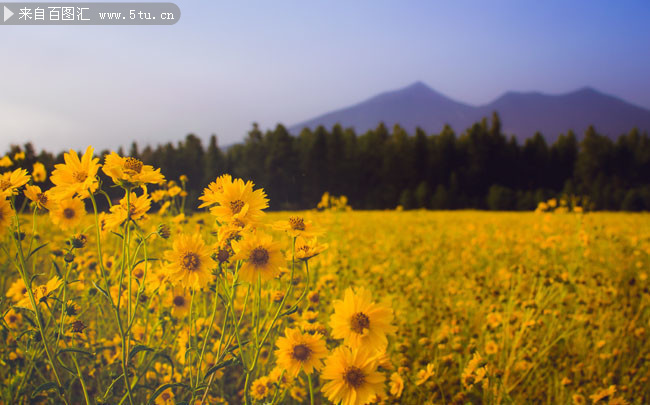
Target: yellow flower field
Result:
[[236, 305]]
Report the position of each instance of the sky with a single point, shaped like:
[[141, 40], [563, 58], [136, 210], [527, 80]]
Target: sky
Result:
[[227, 64]]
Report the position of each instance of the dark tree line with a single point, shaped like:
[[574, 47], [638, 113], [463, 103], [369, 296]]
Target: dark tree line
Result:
[[382, 168]]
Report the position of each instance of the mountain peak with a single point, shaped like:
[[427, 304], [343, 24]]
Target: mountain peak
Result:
[[418, 85], [588, 90], [523, 113]]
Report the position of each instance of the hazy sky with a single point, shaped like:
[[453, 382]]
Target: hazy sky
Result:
[[226, 64]]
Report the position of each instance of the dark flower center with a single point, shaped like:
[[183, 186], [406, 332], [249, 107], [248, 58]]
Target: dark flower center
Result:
[[354, 377], [223, 255], [190, 261], [138, 273], [236, 206], [4, 184], [78, 326], [297, 223], [261, 390], [179, 300], [301, 352], [42, 198], [359, 322], [68, 213], [259, 256], [133, 165], [80, 176]]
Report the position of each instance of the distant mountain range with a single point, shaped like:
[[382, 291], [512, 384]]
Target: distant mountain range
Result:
[[522, 114]]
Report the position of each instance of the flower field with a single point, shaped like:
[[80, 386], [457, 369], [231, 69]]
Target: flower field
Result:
[[144, 304]]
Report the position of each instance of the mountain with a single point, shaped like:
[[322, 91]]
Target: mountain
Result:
[[522, 114]]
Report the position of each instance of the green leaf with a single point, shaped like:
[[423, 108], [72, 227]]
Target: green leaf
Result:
[[163, 388], [102, 291], [73, 350], [218, 366], [31, 280], [58, 270], [150, 259], [290, 311], [36, 250], [139, 348], [45, 387], [233, 348]]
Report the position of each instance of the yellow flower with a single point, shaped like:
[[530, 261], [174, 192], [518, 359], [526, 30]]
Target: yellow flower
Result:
[[19, 156], [6, 161], [578, 399], [214, 189], [6, 213], [279, 376], [603, 394], [491, 347], [157, 279], [361, 322], [158, 195], [138, 207], [75, 176], [306, 249], [239, 204], [260, 388], [42, 199], [494, 320], [68, 213], [11, 181], [164, 207], [178, 219], [396, 385], [174, 191], [262, 256], [474, 372], [165, 398], [189, 261], [297, 350], [179, 301], [17, 291], [41, 292], [13, 318], [425, 374], [298, 393], [352, 376], [130, 170], [297, 226], [38, 172]]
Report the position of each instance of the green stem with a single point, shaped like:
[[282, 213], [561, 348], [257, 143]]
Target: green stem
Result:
[[116, 307], [100, 256], [277, 390], [311, 390], [63, 302], [81, 380], [22, 268], [207, 334], [258, 348], [189, 339]]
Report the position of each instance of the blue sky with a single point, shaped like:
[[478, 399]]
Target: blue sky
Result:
[[226, 64]]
